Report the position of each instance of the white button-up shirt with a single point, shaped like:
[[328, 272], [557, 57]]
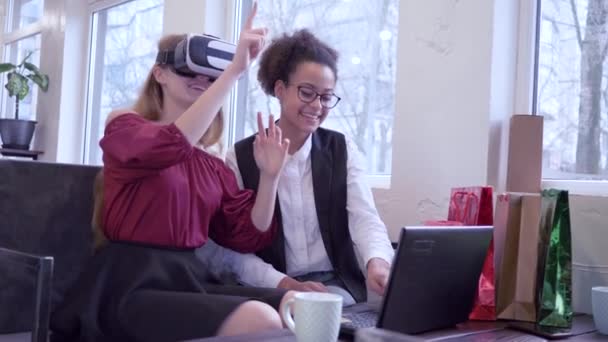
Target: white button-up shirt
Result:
[[304, 248]]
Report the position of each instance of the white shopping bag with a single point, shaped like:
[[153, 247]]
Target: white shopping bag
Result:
[[589, 221]]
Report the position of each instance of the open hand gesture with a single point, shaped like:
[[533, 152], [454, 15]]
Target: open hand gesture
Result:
[[269, 148]]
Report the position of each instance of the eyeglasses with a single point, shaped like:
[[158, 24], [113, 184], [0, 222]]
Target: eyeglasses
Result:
[[308, 95]]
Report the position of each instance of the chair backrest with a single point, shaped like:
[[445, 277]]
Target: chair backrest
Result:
[[41, 267], [45, 210]]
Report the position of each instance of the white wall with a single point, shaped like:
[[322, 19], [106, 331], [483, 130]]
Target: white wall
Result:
[[188, 17], [202, 16], [72, 67], [48, 106], [443, 107]]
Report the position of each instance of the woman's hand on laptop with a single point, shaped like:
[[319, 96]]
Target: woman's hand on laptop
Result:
[[377, 275], [288, 283]]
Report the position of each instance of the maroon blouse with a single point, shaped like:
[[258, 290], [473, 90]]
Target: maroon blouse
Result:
[[160, 190]]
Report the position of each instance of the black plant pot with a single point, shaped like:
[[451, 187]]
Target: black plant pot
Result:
[[17, 134]]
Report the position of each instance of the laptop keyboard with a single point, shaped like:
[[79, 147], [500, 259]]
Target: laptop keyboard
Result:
[[364, 319]]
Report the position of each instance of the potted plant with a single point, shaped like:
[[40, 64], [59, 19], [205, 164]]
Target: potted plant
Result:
[[17, 133]]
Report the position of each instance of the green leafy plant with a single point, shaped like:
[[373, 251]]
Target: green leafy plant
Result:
[[19, 78]]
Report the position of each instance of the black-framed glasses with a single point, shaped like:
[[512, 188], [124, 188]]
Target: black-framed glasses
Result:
[[309, 95]]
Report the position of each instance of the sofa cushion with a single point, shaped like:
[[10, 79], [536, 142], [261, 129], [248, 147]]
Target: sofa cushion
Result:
[[45, 209]]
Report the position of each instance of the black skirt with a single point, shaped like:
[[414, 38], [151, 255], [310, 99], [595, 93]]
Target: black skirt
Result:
[[130, 292]]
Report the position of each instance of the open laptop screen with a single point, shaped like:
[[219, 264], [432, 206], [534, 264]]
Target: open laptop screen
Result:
[[434, 277]]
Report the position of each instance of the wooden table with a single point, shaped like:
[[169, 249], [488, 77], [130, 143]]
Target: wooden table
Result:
[[470, 331]]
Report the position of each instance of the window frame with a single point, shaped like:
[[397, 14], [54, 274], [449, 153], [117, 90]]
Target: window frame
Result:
[[526, 92], [13, 37], [88, 55], [88, 80], [233, 120]]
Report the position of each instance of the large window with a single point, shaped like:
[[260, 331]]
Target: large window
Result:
[[22, 37], [365, 35], [123, 49], [24, 13], [572, 88], [14, 52]]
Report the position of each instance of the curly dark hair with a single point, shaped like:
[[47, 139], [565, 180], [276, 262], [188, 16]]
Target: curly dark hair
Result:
[[285, 53]]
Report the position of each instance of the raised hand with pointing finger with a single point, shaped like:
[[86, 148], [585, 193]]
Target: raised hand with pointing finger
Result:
[[251, 42]]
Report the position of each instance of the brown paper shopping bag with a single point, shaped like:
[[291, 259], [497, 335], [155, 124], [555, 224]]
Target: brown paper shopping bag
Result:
[[501, 216], [516, 295]]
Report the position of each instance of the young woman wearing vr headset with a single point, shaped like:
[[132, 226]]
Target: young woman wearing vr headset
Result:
[[328, 215], [162, 198]]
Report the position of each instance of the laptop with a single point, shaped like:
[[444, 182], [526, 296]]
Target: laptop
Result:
[[432, 282]]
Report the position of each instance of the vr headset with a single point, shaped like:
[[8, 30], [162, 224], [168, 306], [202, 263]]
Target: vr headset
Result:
[[198, 55]]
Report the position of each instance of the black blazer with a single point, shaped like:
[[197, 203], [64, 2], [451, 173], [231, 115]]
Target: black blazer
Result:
[[329, 172]]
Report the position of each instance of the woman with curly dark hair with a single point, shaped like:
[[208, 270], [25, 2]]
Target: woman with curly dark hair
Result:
[[328, 215]]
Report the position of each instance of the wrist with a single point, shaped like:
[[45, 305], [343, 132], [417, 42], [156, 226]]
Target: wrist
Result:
[[234, 72], [285, 283], [377, 262], [268, 178]]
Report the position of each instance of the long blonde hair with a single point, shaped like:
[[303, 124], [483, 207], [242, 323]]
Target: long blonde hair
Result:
[[149, 104]]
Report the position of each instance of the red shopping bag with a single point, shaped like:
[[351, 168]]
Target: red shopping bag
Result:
[[473, 206]]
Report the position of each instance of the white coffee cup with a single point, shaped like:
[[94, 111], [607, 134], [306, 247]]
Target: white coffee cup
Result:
[[316, 318], [599, 304]]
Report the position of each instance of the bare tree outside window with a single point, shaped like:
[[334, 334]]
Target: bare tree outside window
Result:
[[572, 89], [365, 35], [123, 51]]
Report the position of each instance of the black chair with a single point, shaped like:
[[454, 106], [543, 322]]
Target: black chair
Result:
[[42, 267]]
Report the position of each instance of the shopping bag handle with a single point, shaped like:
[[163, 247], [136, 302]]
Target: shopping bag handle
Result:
[[471, 199]]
